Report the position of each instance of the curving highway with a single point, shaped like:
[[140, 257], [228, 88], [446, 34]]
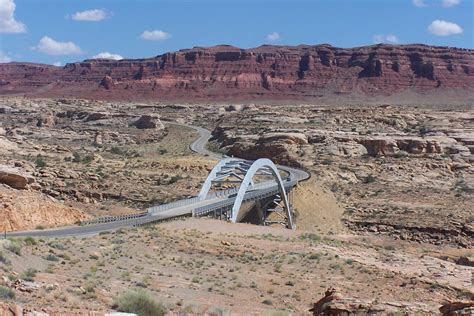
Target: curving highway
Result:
[[176, 209]]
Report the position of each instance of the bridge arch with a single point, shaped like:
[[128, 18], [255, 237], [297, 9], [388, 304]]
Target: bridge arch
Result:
[[262, 163], [213, 175]]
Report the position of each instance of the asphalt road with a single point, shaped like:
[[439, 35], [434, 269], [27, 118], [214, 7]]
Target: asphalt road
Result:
[[198, 146]]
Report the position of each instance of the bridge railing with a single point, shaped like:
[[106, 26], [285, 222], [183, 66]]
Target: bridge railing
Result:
[[108, 219], [185, 202], [165, 207]]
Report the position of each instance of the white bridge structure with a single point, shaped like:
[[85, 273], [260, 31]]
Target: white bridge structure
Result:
[[242, 172], [236, 190]]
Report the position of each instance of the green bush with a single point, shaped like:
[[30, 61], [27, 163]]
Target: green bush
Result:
[[175, 179], [6, 293], [14, 247], [314, 256], [30, 241], [3, 258], [29, 275], [76, 157], [51, 257], [88, 159], [369, 179], [118, 151], [40, 163], [140, 303]]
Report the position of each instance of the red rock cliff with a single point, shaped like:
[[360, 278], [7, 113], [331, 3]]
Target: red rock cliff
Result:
[[267, 72]]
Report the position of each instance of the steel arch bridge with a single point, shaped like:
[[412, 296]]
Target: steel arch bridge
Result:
[[242, 173]]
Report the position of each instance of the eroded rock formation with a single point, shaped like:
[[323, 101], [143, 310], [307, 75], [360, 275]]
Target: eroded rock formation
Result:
[[269, 72]]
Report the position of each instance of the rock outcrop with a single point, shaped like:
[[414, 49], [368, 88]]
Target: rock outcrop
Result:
[[14, 178], [265, 72], [25, 209], [335, 304], [148, 122]]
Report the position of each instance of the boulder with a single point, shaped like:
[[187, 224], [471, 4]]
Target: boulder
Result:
[[148, 122], [14, 177], [457, 308]]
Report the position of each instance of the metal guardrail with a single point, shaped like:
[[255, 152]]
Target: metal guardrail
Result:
[[108, 219]]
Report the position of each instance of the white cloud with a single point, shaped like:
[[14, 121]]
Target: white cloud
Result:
[[90, 15], [57, 64], [444, 3], [4, 58], [107, 55], [49, 46], [450, 3], [390, 38], [273, 37], [444, 28], [8, 24], [419, 3], [156, 35]]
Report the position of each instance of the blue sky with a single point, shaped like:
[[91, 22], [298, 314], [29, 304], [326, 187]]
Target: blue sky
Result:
[[61, 31]]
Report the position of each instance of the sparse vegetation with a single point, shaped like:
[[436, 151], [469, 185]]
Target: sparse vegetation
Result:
[[6, 293], [29, 274], [139, 302], [14, 246], [369, 179], [51, 257], [40, 162]]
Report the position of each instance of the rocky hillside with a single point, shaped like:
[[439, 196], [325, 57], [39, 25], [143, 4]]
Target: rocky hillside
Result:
[[266, 72]]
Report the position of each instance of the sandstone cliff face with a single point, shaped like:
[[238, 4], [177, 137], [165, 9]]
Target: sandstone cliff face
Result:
[[271, 72]]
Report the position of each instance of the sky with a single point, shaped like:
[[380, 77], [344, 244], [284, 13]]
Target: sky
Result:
[[62, 31]]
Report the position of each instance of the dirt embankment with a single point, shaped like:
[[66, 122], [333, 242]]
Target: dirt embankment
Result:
[[23, 210]]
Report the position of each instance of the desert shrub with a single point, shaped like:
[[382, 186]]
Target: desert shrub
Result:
[[267, 302], [310, 236], [76, 157], [3, 258], [29, 275], [423, 130], [326, 162], [369, 179], [277, 313], [118, 151], [139, 302], [175, 179], [162, 151], [40, 163], [88, 158], [57, 245], [51, 257], [14, 247], [6, 293], [29, 241], [314, 256]]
